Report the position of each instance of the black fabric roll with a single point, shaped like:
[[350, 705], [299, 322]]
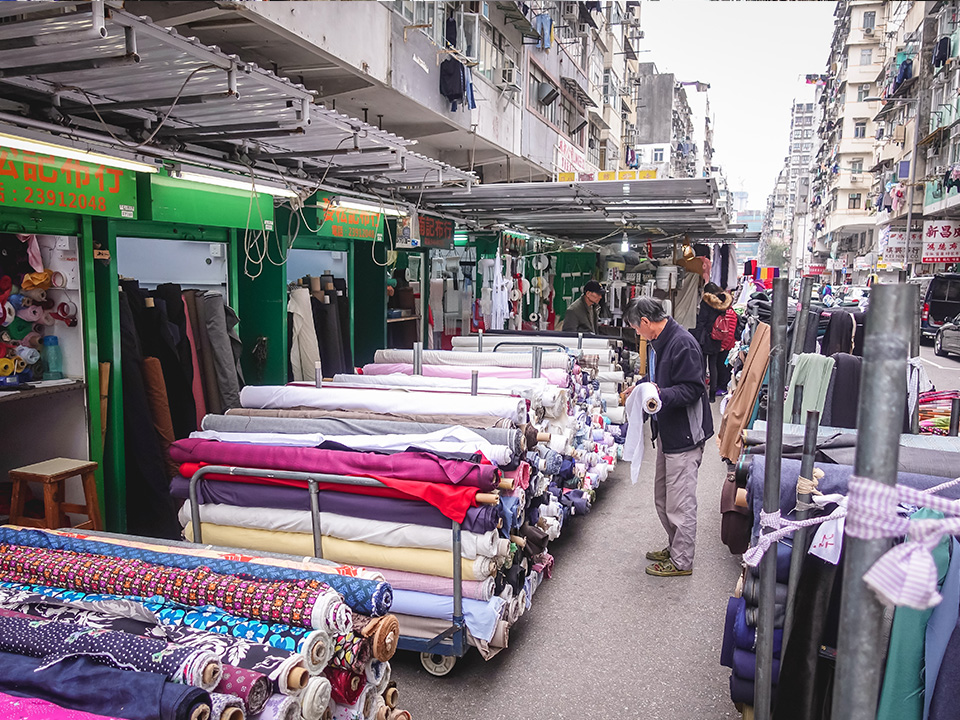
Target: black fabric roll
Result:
[[327, 324], [343, 308], [81, 684], [149, 507]]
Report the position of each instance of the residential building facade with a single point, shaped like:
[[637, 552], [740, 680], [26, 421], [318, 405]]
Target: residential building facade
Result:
[[665, 125]]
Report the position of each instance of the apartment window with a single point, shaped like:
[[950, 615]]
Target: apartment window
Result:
[[860, 129], [491, 55], [611, 88], [593, 145], [797, 134], [869, 20], [808, 146], [866, 56], [853, 201], [658, 155], [863, 92], [805, 159], [856, 166], [571, 117], [809, 107], [551, 112], [807, 134]]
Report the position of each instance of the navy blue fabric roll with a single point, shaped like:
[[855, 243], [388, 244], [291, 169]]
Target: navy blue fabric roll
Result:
[[745, 636], [735, 606], [784, 549], [79, 683], [741, 691], [745, 665]]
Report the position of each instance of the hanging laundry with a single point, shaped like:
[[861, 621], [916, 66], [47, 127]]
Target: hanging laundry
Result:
[[543, 24], [453, 82]]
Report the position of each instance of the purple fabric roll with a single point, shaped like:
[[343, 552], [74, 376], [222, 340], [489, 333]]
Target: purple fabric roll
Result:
[[413, 465], [479, 519]]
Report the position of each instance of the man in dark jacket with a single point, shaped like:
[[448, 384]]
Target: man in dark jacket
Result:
[[715, 303], [581, 316], [682, 426]]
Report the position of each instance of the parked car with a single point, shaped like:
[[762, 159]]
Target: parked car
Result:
[[947, 339], [853, 296], [940, 304]]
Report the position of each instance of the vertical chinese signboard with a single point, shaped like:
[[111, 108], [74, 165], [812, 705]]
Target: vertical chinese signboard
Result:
[[941, 241], [46, 182]]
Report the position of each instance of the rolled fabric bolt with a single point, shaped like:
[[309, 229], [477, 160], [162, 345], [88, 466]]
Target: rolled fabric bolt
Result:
[[226, 707], [32, 313], [506, 484], [741, 499], [383, 713], [400, 715], [384, 637], [19, 365], [28, 354], [650, 397], [543, 437], [6, 367], [200, 712], [488, 498], [279, 707], [315, 698], [9, 314], [32, 340], [521, 542], [391, 696], [376, 671], [297, 679], [37, 296]]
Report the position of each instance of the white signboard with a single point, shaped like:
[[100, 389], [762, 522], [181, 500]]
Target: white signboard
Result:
[[895, 251], [941, 241], [569, 158]]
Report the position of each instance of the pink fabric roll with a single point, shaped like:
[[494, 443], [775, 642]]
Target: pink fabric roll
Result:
[[418, 582], [18, 708], [555, 376], [520, 476], [197, 385]]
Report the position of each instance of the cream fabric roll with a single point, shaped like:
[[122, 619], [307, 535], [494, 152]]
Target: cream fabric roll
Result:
[[617, 415], [613, 376], [304, 350], [611, 399], [380, 400], [419, 560], [528, 389], [451, 357], [344, 527]]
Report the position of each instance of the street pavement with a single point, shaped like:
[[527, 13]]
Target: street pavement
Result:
[[603, 639], [944, 372]]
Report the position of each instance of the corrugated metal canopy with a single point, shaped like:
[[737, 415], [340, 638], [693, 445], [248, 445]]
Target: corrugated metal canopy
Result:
[[595, 211], [140, 83]]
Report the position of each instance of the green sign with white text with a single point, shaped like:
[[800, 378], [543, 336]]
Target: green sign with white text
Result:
[[45, 182]]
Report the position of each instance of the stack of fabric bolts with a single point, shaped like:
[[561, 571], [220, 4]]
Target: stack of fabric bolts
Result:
[[510, 464], [118, 627]]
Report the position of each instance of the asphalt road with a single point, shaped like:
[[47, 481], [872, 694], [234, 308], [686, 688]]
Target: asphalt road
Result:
[[944, 372], [603, 639]]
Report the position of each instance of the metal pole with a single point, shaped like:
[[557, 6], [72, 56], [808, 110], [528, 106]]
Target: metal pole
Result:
[[771, 498], [480, 340], [797, 412], [318, 374], [954, 417], [860, 651], [457, 587], [800, 537], [418, 358], [474, 381], [537, 360], [579, 341], [800, 324], [912, 181], [915, 350], [315, 517]]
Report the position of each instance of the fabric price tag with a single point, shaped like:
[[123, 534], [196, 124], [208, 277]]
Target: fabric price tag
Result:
[[828, 541]]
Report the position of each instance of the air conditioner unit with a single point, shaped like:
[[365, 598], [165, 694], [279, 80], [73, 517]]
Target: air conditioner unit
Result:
[[855, 178], [868, 31], [509, 79], [547, 93], [570, 11], [899, 134], [583, 29]]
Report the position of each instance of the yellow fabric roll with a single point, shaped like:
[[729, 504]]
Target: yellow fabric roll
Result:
[[348, 552]]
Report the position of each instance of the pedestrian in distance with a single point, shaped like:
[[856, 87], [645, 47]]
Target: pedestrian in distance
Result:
[[581, 316]]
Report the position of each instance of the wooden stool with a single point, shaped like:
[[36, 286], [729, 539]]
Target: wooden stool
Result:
[[52, 474]]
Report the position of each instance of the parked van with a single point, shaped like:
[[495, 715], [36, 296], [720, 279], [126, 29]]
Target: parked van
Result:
[[941, 303]]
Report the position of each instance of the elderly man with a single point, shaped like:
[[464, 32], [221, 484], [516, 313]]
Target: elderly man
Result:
[[682, 426], [581, 316]]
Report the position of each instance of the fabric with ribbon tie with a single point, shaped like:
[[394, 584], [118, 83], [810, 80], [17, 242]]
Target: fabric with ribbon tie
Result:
[[781, 528]]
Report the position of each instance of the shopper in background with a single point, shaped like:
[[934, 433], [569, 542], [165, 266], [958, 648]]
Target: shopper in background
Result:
[[682, 427], [581, 316], [711, 330]]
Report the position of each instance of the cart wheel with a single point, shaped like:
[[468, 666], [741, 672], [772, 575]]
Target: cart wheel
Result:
[[437, 665]]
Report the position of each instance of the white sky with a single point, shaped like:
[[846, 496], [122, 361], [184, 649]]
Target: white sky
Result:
[[754, 55]]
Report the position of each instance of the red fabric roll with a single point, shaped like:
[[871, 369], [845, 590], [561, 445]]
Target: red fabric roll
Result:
[[452, 501], [419, 466], [346, 687]]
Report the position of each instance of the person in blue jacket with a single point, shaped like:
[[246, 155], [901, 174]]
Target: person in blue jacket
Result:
[[679, 429]]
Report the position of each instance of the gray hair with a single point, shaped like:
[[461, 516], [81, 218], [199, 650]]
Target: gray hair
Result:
[[644, 307]]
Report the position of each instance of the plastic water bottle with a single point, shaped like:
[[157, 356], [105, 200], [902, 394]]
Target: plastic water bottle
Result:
[[52, 358]]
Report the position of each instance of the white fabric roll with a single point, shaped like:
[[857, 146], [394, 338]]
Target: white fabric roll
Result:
[[614, 376], [449, 357], [491, 340], [644, 398], [555, 376], [304, 350], [650, 397], [617, 415], [344, 527], [609, 387], [528, 389], [453, 439], [611, 399], [382, 401]]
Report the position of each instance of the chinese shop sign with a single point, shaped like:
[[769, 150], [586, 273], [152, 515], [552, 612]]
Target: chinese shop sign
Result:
[[941, 241], [436, 232], [46, 182]]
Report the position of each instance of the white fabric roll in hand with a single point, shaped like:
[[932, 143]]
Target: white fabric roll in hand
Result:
[[650, 397]]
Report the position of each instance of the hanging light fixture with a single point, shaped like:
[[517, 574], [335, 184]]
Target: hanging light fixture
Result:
[[624, 243]]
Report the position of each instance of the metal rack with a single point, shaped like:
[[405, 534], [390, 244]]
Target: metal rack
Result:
[[439, 654]]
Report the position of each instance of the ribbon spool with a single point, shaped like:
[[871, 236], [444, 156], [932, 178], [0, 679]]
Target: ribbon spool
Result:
[[541, 262], [515, 295], [534, 317], [6, 367], [58, 279], [28, 354]]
